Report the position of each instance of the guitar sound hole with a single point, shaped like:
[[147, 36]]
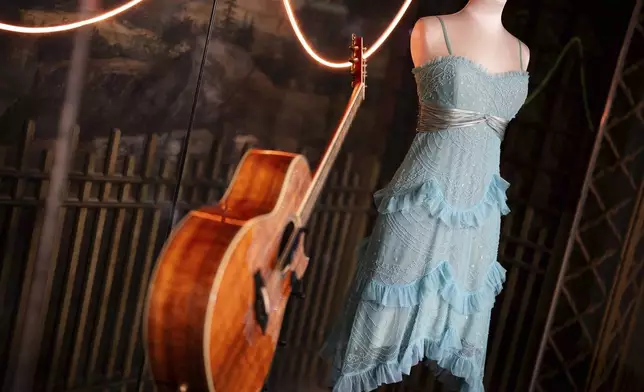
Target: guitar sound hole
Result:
[[261, 313], [284, 242]]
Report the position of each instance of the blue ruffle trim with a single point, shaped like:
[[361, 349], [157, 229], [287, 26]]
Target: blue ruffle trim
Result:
[[445, 352], [440, 280], [429, 194]]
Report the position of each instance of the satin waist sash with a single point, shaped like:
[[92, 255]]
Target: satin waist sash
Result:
[[433, 118]]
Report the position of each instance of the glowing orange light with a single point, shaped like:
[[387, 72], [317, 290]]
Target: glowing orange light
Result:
[[70, 26], [287, 7], [331, 64]]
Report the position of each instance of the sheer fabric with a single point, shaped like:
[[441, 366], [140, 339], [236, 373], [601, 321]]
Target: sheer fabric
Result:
[[428, 275]]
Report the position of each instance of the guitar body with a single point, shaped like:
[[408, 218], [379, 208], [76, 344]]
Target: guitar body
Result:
[[218, 293], [205, 327]]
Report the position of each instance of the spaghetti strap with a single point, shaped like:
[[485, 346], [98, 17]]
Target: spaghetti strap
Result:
[[447, 43], [520, 54]]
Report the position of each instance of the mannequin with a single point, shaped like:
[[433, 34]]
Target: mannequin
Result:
[[428, 275], [475, 32]]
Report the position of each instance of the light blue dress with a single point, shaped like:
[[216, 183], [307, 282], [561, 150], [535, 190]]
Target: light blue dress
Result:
[[428, 276]]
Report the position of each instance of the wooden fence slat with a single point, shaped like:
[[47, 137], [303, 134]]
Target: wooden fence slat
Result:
[[526, 296], [336, 265], [339, 263], [64, 315], [7, 309], [91, 279], [150, 253], [315, 301], [112, 257], [36, 235], [148, 163], [16, 194]]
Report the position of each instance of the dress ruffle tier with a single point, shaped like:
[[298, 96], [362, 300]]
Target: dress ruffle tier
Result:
[[440, 281], [430, 196]]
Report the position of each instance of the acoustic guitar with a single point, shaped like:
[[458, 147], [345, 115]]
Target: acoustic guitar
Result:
[[219, 290]]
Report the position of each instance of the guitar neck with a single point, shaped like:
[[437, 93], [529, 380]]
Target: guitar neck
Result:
[[359, 74], [331, 152]]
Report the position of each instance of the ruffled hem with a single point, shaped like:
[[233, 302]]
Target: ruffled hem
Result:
[[440, 280], [429, 194], [444, 352]]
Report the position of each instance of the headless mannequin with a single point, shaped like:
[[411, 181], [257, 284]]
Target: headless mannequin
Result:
[[475, 32]]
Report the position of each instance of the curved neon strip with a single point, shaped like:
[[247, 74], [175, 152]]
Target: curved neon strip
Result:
[[70, 26], [287, 7], [331, 64]]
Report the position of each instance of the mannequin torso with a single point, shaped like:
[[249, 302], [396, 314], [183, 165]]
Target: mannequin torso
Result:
[[476, 32]]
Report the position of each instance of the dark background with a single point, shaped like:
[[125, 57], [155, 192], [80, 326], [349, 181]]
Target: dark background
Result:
[[258, 88]]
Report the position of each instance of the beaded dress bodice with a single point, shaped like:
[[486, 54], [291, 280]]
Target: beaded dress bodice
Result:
[[458, 82], [455, 82]]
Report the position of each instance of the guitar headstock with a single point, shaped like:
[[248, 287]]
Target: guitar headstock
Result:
[[358, 61]]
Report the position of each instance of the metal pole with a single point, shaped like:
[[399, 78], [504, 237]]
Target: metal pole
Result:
[[584, 192], [25, 351]]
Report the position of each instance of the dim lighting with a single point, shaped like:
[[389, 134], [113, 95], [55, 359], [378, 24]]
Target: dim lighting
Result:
[[287, 7], [70, 26], [331, 64]]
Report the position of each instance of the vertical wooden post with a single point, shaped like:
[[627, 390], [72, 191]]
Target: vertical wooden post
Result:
[[25, 349]]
